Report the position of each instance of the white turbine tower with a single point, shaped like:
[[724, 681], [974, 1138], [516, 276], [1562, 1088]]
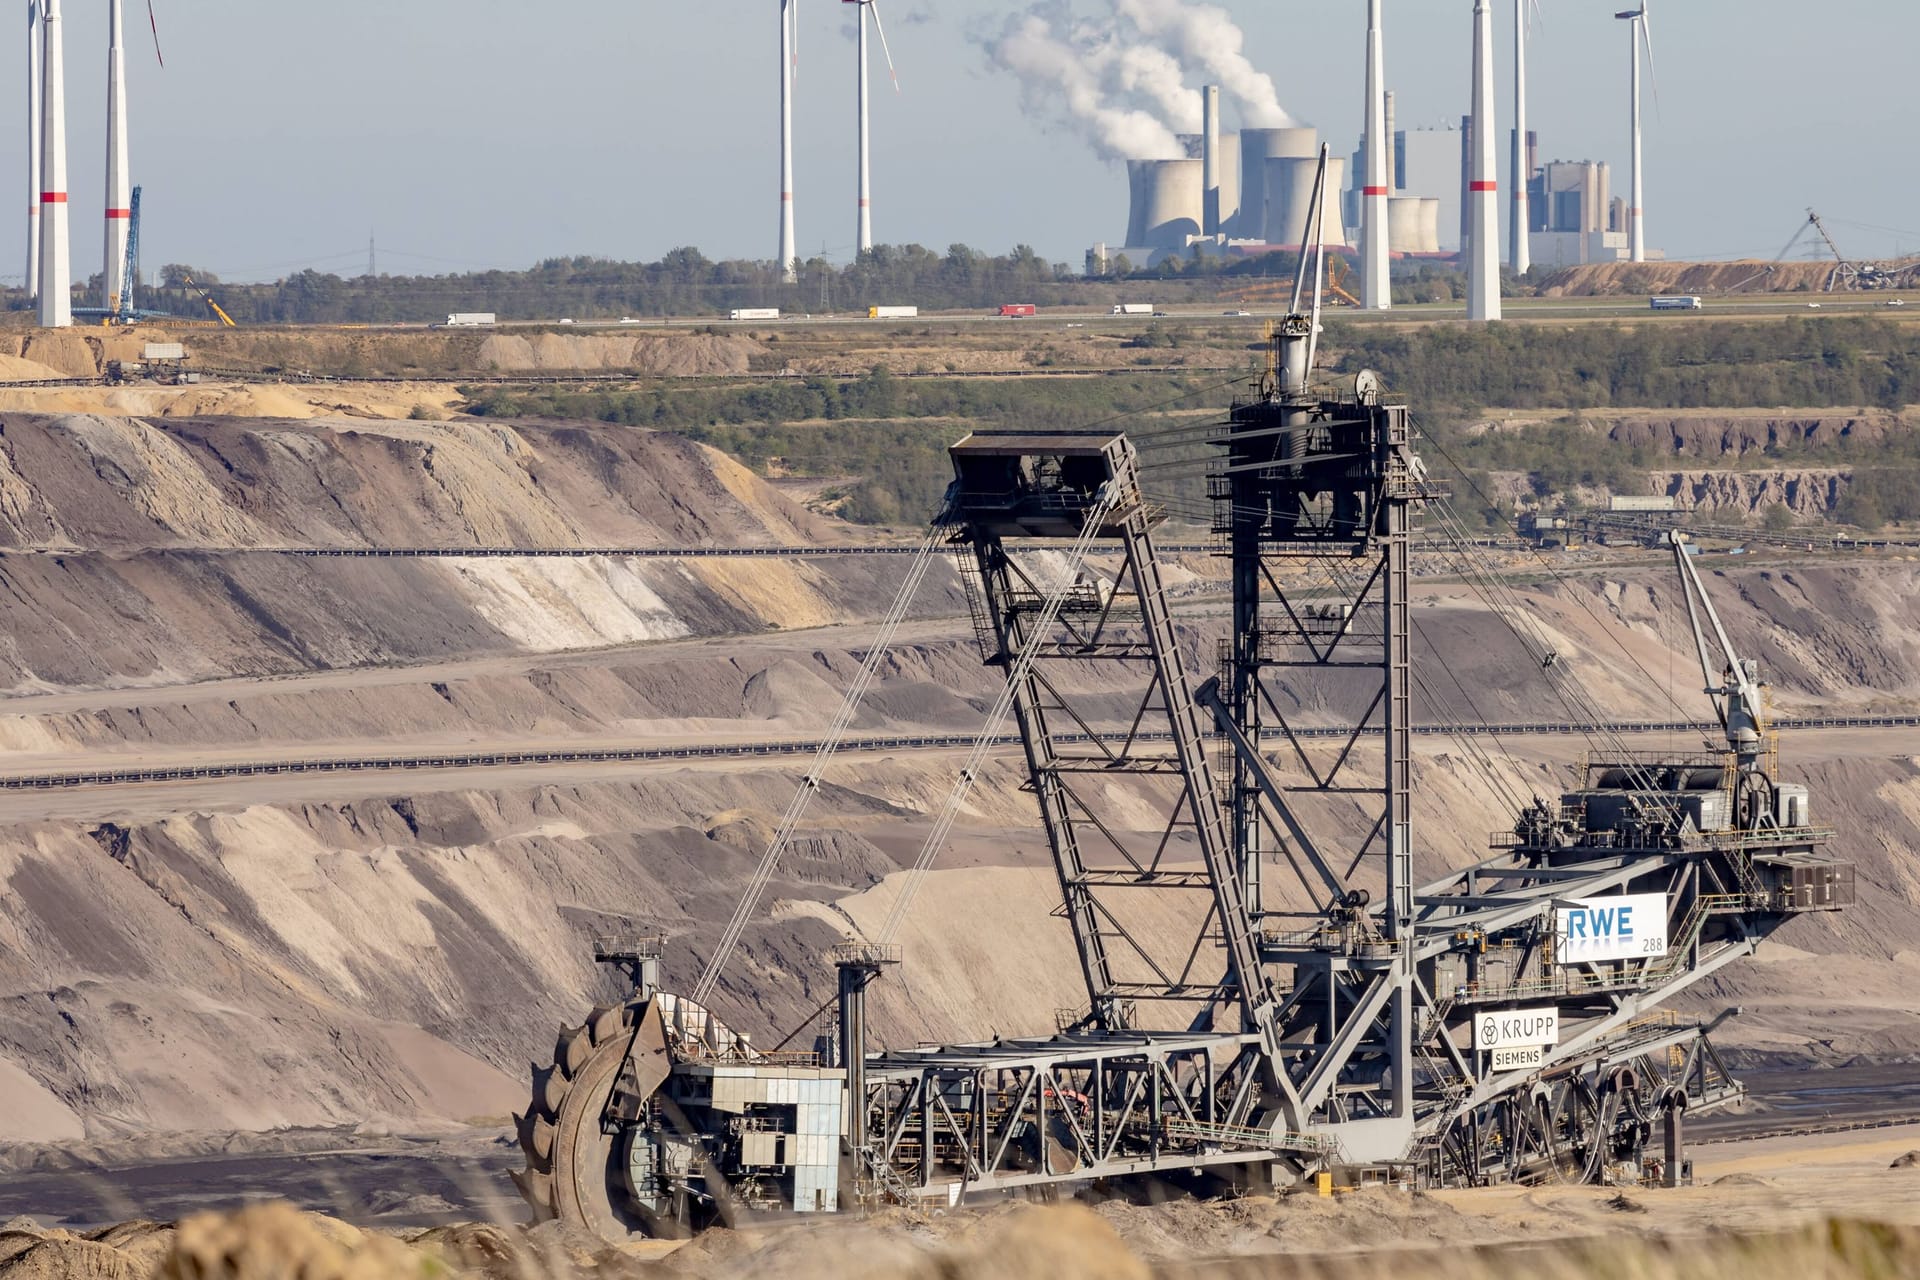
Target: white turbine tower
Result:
[[56, 259], [863, 237], [1638, 34], [1483, 247], [1376, 279], [113, 282], [1520, 225], [789, 254], [34, 89]]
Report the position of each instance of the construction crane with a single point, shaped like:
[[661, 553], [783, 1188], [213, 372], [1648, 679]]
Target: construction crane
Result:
[[218, 311], [1337, 277], [1278, 292], [122, 310], [1272, 994]]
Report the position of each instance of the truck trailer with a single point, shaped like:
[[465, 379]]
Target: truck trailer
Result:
[[892, 313], [1133, 308]]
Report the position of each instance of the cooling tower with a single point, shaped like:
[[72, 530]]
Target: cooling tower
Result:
[[1413, 224], [1167, 203], [1230, 184], [1257, 146], [1290, 201]]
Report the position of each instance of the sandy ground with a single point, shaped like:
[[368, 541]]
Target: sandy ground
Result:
[[1763, 1189]]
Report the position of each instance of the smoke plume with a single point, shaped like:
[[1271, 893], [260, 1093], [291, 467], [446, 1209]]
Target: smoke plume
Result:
[[1120, 79], [1056, 72], [1206, 41]]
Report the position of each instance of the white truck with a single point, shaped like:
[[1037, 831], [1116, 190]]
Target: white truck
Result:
[[1133, 308], [892, 313], [754, 313], [471, 320]]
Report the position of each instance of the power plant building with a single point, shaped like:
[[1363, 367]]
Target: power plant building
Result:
[[1576, 218], [1426, 163]]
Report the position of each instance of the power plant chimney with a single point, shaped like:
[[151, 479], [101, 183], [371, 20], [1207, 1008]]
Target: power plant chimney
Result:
[[1520, 170], [1210, 160], [56, 259], [1376, 281], [1483, 190], [34, 89], [113, 281], [788, 252]]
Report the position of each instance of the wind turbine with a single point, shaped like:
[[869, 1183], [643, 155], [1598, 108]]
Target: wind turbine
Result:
[[1639, 33], [863, 237], [34, 89], [788, 68], [1376, 279], [114, 283], [1483, 186], [56, 260], [1519, 252]]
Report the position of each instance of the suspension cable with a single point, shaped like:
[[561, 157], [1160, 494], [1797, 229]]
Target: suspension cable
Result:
[[810, 785], [1016, 675]]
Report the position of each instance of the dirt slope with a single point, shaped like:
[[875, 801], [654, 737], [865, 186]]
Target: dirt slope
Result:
[[398, 949]]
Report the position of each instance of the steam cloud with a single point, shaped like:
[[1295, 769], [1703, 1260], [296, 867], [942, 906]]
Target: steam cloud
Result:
[[1206, 41], [1121, 80]]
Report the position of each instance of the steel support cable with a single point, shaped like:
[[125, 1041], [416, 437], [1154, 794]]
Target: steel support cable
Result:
[[983, 745], [1548, 565], [1559, 676], [810, 785]]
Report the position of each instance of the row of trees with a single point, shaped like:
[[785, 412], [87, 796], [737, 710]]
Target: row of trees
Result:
[[684, 282]]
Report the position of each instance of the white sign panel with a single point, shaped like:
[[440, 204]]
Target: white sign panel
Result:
[[1504, 1028], [1623, 926], [1525, 1057]]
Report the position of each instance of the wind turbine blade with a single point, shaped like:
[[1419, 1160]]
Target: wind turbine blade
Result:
[[155, 24], [1646, 38], [793, 42], [1534, 16], [883, 43]]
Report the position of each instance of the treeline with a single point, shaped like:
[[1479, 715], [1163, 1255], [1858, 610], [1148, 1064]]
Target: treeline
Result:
[[886, 437], [1801, 363], [685, 282]]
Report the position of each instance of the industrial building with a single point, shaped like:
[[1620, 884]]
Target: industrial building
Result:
[[1250, 191]]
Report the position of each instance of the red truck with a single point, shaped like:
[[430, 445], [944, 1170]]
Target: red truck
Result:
[[1018, 309]]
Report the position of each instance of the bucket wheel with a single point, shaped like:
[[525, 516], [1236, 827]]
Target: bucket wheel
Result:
[[579, 1157]]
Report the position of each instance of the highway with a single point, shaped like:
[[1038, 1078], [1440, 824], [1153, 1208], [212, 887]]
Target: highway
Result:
[[778, 748]]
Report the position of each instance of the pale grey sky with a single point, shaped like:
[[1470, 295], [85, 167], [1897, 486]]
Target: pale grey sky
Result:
[[481, 133]]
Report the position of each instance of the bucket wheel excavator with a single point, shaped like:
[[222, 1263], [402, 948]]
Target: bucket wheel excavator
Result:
[[1325, 1008]]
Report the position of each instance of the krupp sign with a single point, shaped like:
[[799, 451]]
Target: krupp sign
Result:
[[1504, 1028], [1621, 927]]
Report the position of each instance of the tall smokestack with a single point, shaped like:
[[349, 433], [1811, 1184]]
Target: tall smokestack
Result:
[[34, 89], [1483, 249], [56, 261], [1520, 170], [113, 282], [1210, 159], [788, 251], [1376, 281]]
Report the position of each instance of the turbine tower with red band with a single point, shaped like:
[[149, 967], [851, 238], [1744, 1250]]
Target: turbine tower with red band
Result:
[[34, 89], [1483, 195], [1376, 284], [1519, 172], [863, 230], [113, 282], [789, 253], [56, 250]]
